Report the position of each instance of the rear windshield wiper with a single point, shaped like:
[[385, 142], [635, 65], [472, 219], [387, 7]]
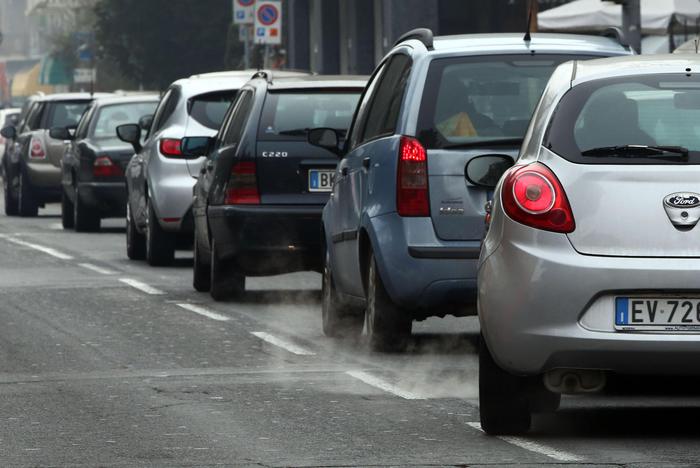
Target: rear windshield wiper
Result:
[[632, 151], [492, 142], [295, 132]]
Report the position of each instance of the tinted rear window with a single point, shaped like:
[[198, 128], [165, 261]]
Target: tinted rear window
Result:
[[475, 98], [288, 116], [66, 113], [594, 119], [209, 109]]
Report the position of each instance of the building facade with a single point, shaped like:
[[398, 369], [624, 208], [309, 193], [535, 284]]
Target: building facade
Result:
[[351, 36]]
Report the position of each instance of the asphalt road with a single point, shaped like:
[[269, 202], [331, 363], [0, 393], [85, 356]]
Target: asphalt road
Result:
[[108, 362]]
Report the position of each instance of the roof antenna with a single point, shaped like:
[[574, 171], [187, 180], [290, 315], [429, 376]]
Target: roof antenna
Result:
[[527, 37]]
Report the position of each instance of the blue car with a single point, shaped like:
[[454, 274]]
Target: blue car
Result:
[[403, 226]]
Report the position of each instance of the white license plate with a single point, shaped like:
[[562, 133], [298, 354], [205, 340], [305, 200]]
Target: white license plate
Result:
[[657, 313], [321, 180]]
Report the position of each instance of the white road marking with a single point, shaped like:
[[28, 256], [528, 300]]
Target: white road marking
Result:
[[384, 385], [96, 269], [40, 248], [56, 226], [535, 447], [286, 345], [204, 312], [141, 286]]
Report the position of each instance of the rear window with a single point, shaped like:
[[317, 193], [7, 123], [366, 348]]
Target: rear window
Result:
[[482, 98], [209, 109], [596, 122], [111, 116], [11, 119], [66, 113], [288, 116]]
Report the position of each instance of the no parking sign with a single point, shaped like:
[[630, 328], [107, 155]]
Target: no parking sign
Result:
[[243, 11], [268, 22]]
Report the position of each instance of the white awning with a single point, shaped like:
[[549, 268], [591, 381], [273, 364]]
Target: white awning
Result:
[[598, 15]]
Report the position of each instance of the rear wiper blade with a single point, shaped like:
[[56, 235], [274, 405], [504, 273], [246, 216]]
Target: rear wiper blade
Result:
[[493, 142], [631, 151], [295, 132]]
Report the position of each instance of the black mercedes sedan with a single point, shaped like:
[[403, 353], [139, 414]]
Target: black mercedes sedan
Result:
[[259, 195], [92, 166]]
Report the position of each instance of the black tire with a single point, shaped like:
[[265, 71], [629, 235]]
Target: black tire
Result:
[[339, 320], [67, 215], [135, 241], [85, 218], [225, 283], [26, 204], [201, 271], [388, 326], [11, 203], [160, 245], [504, 403]]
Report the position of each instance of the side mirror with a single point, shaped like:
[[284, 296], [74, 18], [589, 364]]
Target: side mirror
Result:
[[486, 170], [60, 133], [196, 147], [130, 133], [326, 138], [145, 122], [9, 132]]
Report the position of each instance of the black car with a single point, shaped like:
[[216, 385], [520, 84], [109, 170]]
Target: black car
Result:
[[92, 166], [32, 165], [258, 200]]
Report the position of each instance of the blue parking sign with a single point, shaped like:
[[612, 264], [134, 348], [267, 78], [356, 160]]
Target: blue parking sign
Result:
[[260, 32]]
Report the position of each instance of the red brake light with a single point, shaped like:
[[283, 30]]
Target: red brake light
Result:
[[104, 167], [412, 197], [532, 195], [242, 188], [36, 149], [170, 147]]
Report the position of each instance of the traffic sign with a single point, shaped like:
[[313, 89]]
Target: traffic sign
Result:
[[268, 22], [243, 11], [84, 75]]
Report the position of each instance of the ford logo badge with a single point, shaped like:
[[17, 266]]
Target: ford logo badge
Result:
[[682, 200]]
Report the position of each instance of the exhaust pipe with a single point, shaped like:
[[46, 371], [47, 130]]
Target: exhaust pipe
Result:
[[572, 381]]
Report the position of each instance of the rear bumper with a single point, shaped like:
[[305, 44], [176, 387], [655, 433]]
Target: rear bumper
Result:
[[421, 272], [268, 239], [109, 198], [44, 175], [543, 306]]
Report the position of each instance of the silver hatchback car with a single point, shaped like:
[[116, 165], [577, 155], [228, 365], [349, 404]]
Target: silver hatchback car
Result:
[[591, 261], [159, 177]]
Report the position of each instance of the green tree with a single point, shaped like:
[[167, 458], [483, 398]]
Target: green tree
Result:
[[155, 42]]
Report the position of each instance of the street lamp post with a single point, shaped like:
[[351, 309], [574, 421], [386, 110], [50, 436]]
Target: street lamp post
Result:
[[631, 22]]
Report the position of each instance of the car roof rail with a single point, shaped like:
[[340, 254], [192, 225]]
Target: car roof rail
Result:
[[617, 35], [263, 74], [424, 35]]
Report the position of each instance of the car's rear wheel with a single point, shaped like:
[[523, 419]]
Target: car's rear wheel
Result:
[[160, 245], [339, 320], [388, 326], [67, 215], [26, 204], [504, 402], [201, 272], [11, 202], [86, 218], [135, 241], [225, 282]]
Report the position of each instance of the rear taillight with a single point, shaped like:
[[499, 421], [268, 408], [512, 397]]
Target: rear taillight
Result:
[[170, 147], [242, 187], [36, 149], [104, 167], [533, 195], [412, 179]]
